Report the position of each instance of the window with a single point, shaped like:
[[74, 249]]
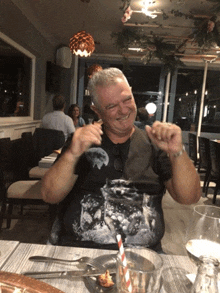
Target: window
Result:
[[17, 79]]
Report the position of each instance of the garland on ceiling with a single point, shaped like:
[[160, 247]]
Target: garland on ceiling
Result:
[[152, 48], [205, 33]]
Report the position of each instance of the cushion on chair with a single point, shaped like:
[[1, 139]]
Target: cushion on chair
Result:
[[37, 172], [29, 189]]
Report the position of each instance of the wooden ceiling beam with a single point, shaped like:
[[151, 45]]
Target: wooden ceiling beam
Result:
[[171, 14], [156, 25]]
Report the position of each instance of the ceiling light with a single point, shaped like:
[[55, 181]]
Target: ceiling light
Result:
[[82, 44], [149, 3], [136, 49], [149, 13]]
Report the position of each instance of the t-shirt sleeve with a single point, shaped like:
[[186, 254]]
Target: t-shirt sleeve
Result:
[[70, 125], [82, 121]]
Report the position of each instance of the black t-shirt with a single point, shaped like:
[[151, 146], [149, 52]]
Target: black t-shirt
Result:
[[134, 206]]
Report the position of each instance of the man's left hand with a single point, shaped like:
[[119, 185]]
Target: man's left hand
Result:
[[166, 136]]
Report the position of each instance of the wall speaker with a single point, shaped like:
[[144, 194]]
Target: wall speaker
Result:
[[64, 57]]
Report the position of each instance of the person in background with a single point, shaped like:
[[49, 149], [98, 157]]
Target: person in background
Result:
[[143, 118], [115, 149], [57, 119], [88, 114], [74, 113], [19, 110]]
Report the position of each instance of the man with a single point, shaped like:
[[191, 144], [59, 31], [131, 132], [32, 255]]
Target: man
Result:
[[148, 160], [57, 119]]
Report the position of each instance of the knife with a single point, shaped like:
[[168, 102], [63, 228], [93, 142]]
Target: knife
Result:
[[65, 274]]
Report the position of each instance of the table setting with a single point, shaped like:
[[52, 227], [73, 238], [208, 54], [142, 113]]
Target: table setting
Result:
[[20, 263], [63, 269]]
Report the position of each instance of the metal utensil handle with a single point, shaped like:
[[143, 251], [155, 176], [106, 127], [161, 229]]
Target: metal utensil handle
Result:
[[48, 259], [46, 275]]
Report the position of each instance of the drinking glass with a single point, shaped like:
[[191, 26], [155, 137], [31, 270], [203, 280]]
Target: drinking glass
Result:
[[203, 233], [144, 268]]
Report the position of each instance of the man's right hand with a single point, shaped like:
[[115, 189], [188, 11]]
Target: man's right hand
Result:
[[84, 137]]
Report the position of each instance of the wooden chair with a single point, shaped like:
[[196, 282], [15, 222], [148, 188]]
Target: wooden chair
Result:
[[15, 187], [193, 148], [204, 159], [18, 193], [214, 175]]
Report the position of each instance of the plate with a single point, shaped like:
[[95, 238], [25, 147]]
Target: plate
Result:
[[12, 281], [109, 262]]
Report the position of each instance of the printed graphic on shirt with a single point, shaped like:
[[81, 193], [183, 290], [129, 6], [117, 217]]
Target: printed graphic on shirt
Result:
[[133, 213], [98, 157]]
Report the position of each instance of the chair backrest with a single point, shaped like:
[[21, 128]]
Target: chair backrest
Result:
[[12, 161], [5, 153], [204, 153], [215, 157], [193, 147], [46, 141], [28, 146], [20, 166]]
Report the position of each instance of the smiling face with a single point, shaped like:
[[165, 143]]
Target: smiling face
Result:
[[117, 108], [75, 112]]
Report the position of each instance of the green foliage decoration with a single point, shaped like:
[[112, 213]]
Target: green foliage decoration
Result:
[[206, 39], [153, 47], [125, 4]]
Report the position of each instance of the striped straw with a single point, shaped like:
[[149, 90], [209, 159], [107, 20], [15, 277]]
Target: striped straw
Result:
[[124, 262]]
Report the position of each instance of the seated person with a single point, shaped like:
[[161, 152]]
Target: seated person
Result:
[[143, 118], [115, 158], [57, 119], [74, 113], [19, 110]]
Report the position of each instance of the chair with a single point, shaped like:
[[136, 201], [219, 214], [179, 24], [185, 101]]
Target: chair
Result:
[[28, 148], [37, 172], [193, 148], [15, 186], [204, 159], [214, 175], [46, 141], [18, 193]]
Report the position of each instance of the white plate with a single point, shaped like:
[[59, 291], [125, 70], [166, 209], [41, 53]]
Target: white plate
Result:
[[109, 262]]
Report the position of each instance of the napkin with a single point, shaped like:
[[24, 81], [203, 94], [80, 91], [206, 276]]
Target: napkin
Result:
[[192, 278]]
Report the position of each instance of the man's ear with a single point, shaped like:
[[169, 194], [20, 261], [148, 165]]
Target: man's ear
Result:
[[96, 110]]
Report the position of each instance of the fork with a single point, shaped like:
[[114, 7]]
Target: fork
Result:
[[87, 260]]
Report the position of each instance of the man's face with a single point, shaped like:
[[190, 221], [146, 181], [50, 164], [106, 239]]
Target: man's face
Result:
[[117, 107]]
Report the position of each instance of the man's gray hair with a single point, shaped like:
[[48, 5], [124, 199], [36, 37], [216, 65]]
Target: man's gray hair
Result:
[[103, 78]]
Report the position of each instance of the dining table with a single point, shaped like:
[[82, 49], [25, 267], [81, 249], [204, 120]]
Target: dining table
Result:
[[15, 259], [6, 249], [44, 164]]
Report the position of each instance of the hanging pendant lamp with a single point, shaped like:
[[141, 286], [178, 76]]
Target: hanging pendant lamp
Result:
[[82, 44]]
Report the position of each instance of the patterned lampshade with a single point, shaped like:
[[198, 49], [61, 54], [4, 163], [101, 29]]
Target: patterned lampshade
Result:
[[82, 44]]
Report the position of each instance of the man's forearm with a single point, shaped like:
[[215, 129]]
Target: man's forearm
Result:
[[184, 186], [59, 179]]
